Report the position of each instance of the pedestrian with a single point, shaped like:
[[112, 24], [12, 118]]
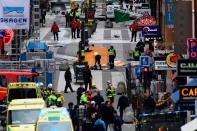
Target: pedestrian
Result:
[[68, 79], [140, 45], [78, 28], [136, 54], [60, 99], [110, 92], [70, 109], [107, 115], [81, 113], [80, 90], [133, 29], [87, 78], [55, 30], [99, 124], [91, 109], [67, 19], [88, 123], [117, 122], [75, 118], [123, 102], [97, 60], [98, 98], [112, 56], [51, 101], [43, 15], [73, 26]]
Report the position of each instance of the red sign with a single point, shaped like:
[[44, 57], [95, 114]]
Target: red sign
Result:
[[3, 56], [9, 34]]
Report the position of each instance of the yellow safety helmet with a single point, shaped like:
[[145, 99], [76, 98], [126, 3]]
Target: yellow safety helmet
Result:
[[59, 93], [93, 84]]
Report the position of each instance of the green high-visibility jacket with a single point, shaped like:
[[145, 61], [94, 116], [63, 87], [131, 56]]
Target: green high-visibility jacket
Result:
[[71, 14], [96, 53], [111, 52], [51, 98], [59, 101], [77, 14], [136, 53], [82, 52], [84, 99]]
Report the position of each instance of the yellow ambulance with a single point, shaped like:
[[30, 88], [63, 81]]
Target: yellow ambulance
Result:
[[54, 119], [22, 114], [22, 90]]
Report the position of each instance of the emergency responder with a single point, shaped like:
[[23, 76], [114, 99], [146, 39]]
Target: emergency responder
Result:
[[82, 53], [60, 99], [76, 15], [71, 14], [84, 98], [110, 92], [49, 89], [97, 60], [73, 26], [51, 101], [136, 54], [78, 28], [112, 56], [43, 91]]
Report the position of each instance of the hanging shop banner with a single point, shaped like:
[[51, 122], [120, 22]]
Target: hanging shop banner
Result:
[[187, 67], [169, 12], [14, 14], [150, 30], [188, 92], [192, 48]]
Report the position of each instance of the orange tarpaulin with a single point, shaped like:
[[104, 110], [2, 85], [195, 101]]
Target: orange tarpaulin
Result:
[[103, 51]]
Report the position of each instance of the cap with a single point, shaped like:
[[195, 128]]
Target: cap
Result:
[[59, 92], [93, 102], [50, 85], [93, 84]]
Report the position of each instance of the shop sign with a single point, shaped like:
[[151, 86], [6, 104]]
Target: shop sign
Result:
[[171, 60], [152, 38], [188, 92], [192, 48], [150, 30], [143, 11], [187, 67], [169, 12], [162, 65]]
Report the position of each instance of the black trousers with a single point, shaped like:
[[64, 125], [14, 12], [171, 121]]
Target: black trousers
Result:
[[67, 23], [55, 35], [97, 60], [88, 82], [78, 32], [111, 61], [73, 33], [134, 34], [68, 85], [121, 112]]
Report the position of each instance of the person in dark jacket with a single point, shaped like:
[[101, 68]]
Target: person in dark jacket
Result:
[[80, 90], [99, 124], [117, 122], [149, 104], [123, 102], [140, 45], [68, 79], [91, 109], [98, 98], [87, 78], [55, 30], [107, 114], [88, 123], [67, 19]]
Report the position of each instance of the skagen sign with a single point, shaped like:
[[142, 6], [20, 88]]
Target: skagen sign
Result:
[[187, 67]]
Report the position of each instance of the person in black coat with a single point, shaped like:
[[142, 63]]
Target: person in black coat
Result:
[[140, 45], [80, 90], [87, 78], [68, 79], [117, 122], [67, 19], [123, 102], [98, 99]]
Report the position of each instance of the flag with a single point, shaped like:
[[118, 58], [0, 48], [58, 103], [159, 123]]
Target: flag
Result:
[[121, 16]]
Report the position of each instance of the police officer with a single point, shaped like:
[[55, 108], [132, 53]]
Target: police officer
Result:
[[60, 99], [77, 15], [110, 92], [71, 15], [97, 60], [82, 54], [136, 54], [112, 56], [51, 99], [84, 98]]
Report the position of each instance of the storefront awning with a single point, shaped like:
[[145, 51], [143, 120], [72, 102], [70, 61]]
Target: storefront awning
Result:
[[192, 83]]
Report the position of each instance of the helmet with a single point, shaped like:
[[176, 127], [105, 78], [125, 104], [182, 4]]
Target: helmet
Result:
[[93, 84], [41, 84], [108, 82], [59, 93], [78, 20], [50, 85]]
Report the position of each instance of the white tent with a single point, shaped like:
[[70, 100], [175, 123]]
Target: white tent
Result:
[[190, 126]]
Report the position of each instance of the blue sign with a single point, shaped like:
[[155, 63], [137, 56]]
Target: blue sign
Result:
[[150, 30], [145, 61], [195, 108], [2, 34], [138, 70], [192, 48], [169, 12]]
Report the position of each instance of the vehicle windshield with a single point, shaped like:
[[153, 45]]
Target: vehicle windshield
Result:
[[23, 78], [54, 126], [23, 116], [22, 93]]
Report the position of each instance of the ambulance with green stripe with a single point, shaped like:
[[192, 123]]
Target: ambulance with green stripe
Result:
[[22, 114], [54, 119]]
